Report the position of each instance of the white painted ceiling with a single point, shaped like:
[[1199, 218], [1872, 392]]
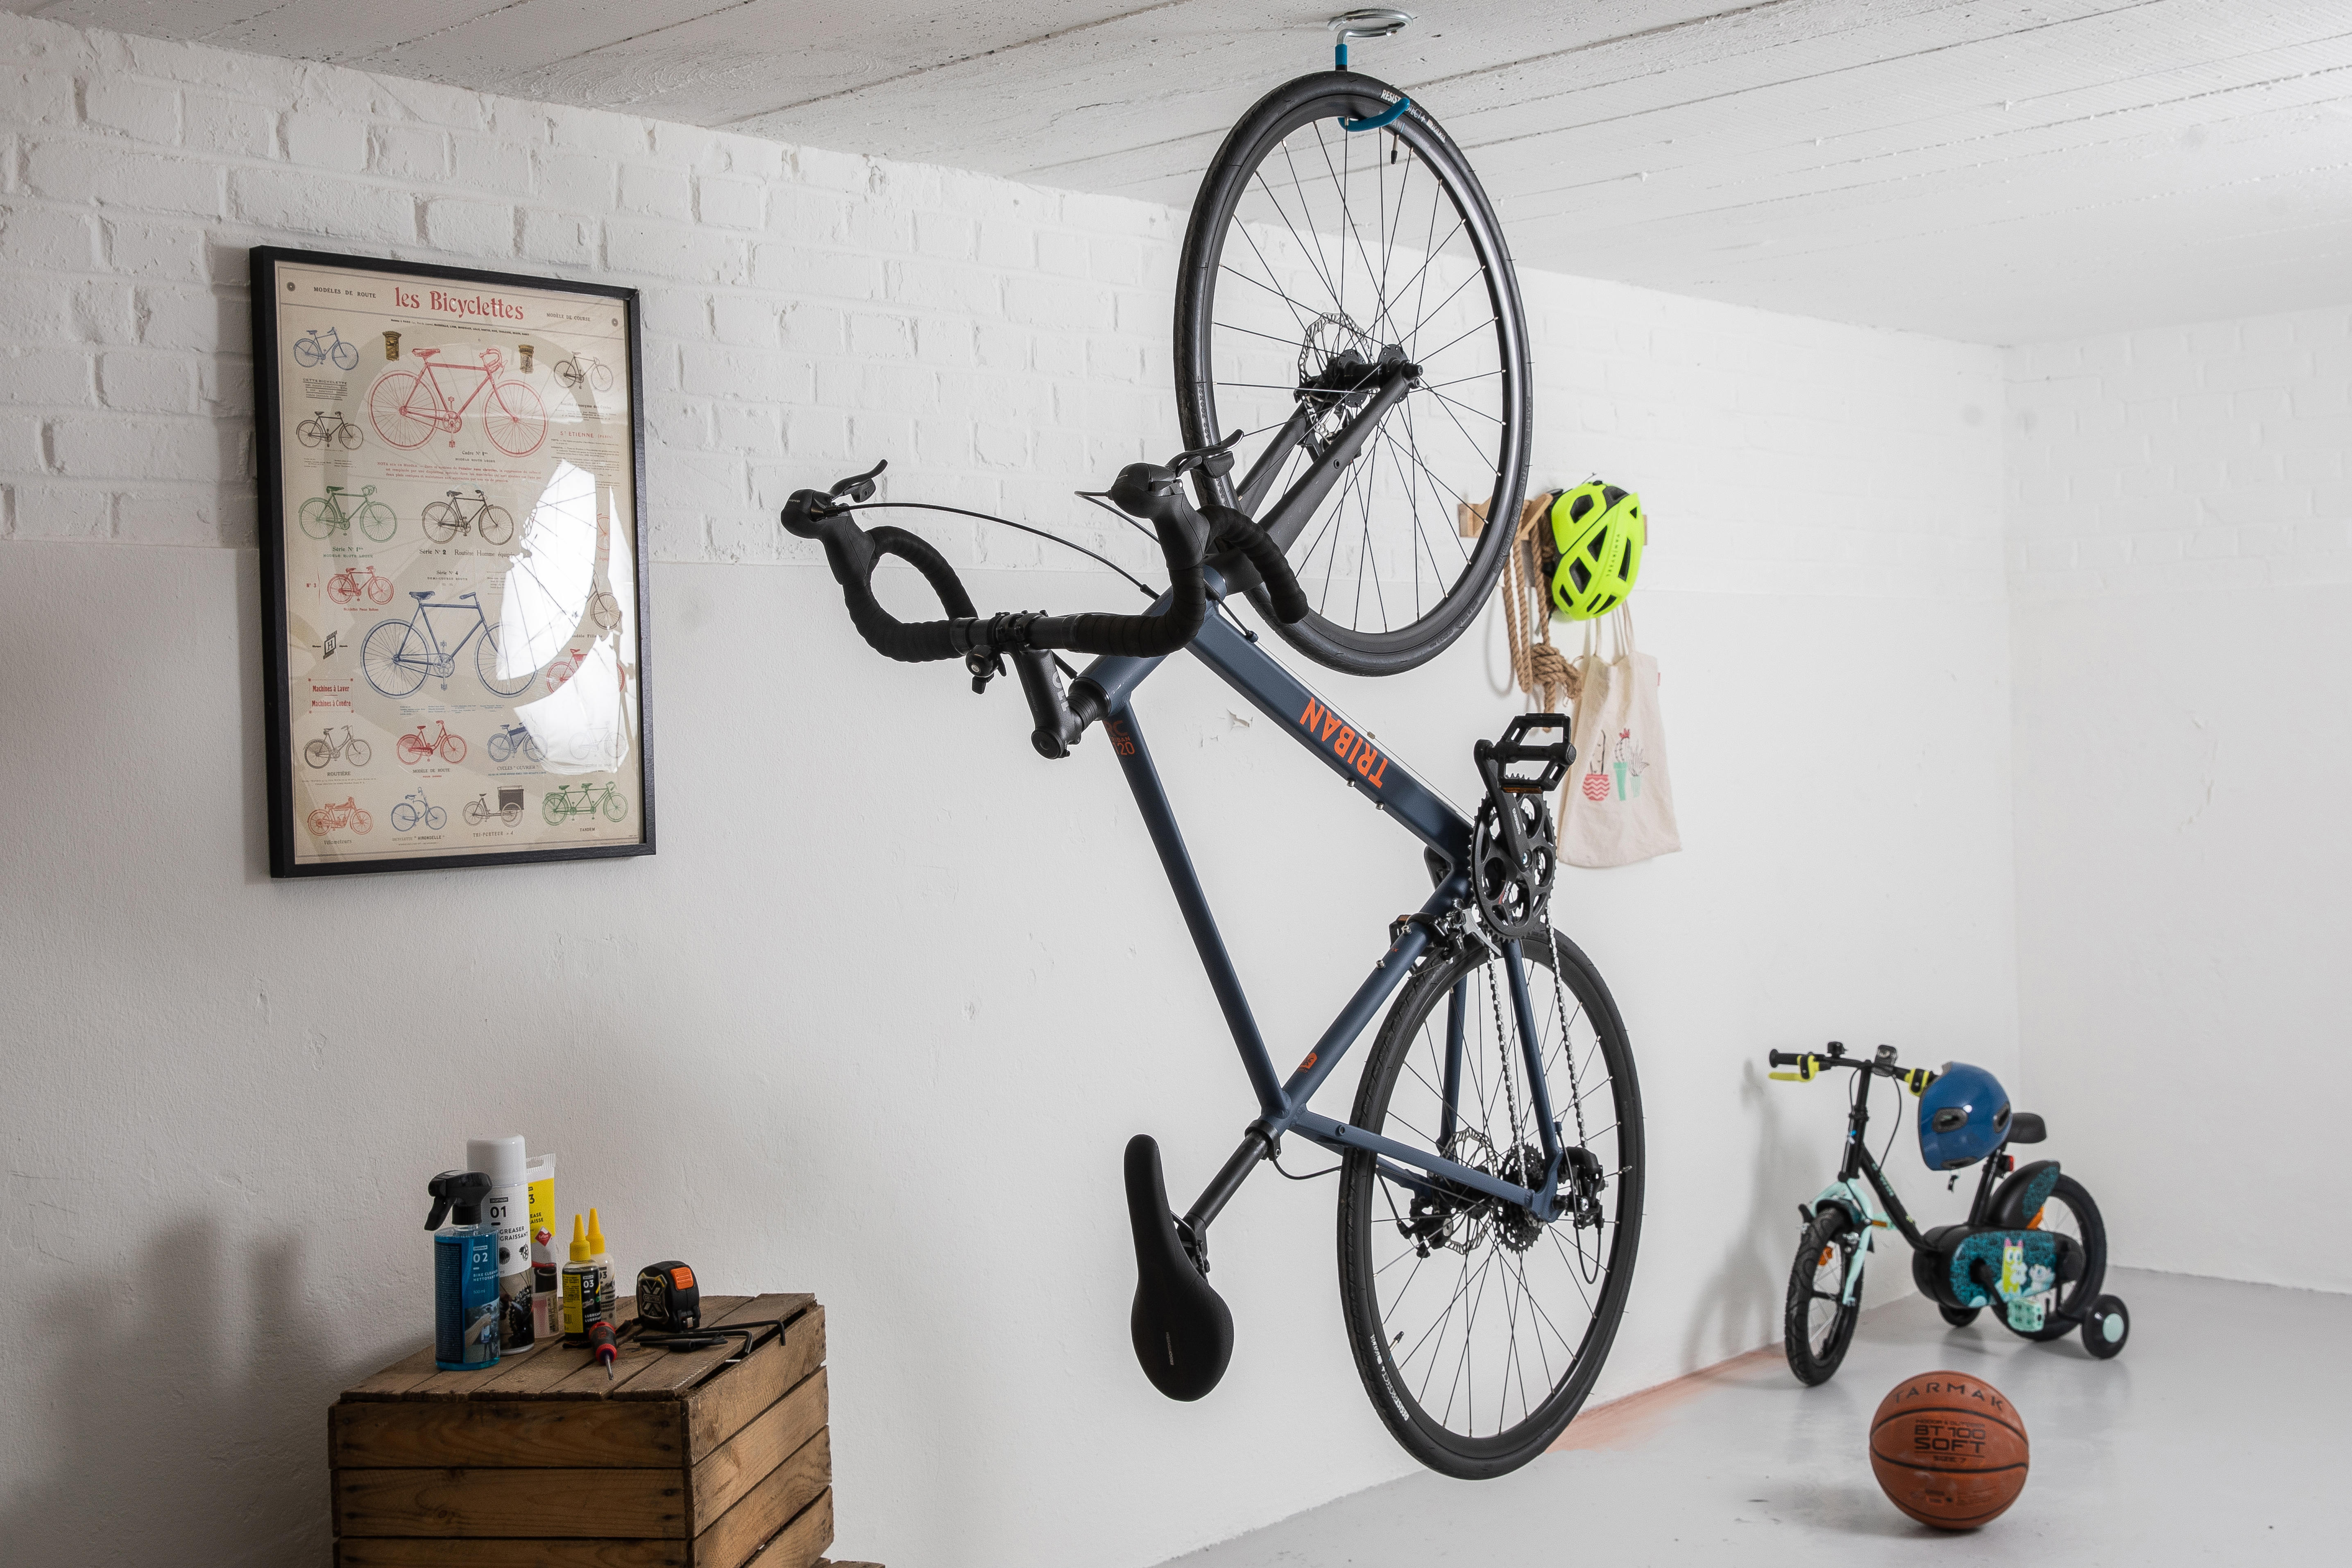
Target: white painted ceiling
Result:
[[2000, 171]]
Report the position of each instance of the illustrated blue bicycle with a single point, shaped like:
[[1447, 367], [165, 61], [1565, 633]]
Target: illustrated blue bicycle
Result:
[[398, 656], [415, 809], [311, 349], [515, 740]]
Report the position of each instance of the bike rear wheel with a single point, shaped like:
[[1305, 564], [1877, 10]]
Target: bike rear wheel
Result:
[[317, 520], [440, 522], [382, 662], [2068, 1211], [1314, 257], [1477, 1329], [1818, 1322], [388, 410], [318, 754]]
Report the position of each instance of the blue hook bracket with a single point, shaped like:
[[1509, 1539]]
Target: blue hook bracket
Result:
[[1374, 122]]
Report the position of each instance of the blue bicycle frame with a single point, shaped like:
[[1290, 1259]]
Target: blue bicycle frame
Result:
[[1372, 772]]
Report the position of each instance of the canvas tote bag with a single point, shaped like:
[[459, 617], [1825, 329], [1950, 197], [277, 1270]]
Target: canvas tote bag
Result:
[[1617, 807]]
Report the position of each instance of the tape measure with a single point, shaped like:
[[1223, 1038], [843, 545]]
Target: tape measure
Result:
[[669, 1301]]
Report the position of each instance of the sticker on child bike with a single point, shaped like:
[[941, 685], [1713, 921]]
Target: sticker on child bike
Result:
[[450, 461]]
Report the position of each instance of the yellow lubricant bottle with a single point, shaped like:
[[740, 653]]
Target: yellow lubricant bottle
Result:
[[605, 1286], [579, 1287]]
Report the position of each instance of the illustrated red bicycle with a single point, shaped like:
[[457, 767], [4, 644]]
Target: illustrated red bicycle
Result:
[[347, 587], [414, 749], [559, 672], [327, 819], [407, 407]]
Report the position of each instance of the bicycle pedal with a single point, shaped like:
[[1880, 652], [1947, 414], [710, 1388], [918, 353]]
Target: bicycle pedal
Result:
[[1183, 1331]]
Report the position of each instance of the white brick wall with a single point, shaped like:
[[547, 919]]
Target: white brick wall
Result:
[[2194, 457], [807, 311]]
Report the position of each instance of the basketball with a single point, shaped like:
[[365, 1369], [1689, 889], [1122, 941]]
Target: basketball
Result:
[[1948, 1449]]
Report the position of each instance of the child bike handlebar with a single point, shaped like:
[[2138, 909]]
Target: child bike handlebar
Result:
[[1808, 1066]]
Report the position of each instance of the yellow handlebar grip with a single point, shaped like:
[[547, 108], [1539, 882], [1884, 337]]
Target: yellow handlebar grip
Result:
[[1787, 1078], [1808, 1067]]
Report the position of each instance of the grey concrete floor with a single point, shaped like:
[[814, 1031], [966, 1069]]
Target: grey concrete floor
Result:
[[2205, 1441]]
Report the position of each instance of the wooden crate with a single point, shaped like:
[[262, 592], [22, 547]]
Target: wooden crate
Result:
[[678, 1461]]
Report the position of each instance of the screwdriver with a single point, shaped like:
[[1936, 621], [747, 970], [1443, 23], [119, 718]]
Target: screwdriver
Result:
[[600, 1342]]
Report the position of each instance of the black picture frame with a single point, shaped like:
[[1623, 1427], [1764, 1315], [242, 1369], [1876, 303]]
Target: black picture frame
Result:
[[286, 860]]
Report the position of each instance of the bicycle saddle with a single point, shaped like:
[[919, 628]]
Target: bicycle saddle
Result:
[[423, 353], [2024, 1127], [1183, 1331], [420, 593]]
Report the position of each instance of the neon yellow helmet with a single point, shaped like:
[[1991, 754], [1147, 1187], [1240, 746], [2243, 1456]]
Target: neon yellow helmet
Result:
[[1597, 534]]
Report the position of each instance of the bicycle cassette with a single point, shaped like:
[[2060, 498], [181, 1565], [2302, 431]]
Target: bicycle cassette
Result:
[[1514, 890]]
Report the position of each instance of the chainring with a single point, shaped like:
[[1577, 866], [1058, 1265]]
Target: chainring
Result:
[[1513, 894]]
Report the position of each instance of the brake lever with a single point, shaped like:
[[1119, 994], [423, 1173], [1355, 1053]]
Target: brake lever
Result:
[[1216, 461], [858, 486]]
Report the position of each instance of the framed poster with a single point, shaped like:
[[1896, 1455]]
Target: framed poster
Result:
[[453, 558]]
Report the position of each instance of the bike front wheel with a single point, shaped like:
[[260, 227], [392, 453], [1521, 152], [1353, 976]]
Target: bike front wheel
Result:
[[1819, 1321], [486, 664], [436, 818], [349, 434], [616, 806], [477, 813], [496, 525], [357, 753], [1478, 1328], [1315, 258], [346, 356], [515, 419], [377, 522], [453, 750]]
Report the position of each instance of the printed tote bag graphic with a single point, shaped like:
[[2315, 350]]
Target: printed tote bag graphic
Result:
[[1618, 805]]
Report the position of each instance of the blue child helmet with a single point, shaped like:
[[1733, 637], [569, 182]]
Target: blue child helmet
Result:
[[1963, 1116]]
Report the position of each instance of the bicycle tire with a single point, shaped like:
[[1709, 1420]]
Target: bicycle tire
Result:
[[1371, 1203], [551, 805], [617, 805], [357, 751], [349, 434], [1425, 523], [381, 661], [307, 353], [436, 818], [495, 525], [403, 818], [317, 822], [569, 374], [486, 664], [318, 754], [452, 749], [514, 413], [315, 518], [341, 589], [412, 749], [378, 522], [310, 433], [388, 411], [2089, 1228], [604, 610], [345, 355], [1816, 1337], [477, 813], [361, 822], [600, 376], [379, 590], [501, 744], [511, 815], [440, 522]]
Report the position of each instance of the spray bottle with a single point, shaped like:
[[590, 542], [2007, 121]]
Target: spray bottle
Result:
[[465, 1273], [507, 1212]]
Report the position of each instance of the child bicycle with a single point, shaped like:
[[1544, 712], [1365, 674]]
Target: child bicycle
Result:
[[2034, 1245]]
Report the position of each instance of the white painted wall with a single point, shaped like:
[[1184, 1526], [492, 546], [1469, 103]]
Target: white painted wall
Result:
[[2181, 511], [877, 1017]]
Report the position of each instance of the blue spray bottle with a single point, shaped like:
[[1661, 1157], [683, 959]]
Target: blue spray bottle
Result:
[[465, 1273]]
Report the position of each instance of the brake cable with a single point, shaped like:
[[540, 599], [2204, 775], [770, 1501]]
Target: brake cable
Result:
[[1142, 588]]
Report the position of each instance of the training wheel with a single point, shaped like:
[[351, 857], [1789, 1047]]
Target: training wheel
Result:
[[2105, 1327]]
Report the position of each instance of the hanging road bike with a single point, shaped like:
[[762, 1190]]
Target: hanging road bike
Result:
[[351, 748], [347, 587], [1342, 261], [509, 810], [397, 655], [327, 819], [446, 520], [585, 801], [311, 349], [321, 515], [414, 749], [416, 809], [513, 739], [408, 406], [319, 430]]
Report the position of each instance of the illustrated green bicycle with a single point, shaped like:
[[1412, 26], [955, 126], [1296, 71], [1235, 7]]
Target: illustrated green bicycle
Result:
[[322, 516], [564, 803]]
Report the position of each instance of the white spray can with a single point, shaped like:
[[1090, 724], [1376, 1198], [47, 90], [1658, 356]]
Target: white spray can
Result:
[[508, 1210]]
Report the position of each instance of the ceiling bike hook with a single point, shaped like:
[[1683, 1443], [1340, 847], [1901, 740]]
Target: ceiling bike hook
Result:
[[1378, 22]]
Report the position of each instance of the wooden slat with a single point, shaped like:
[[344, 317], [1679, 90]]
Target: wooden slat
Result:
[[388, 1552], [527, 1433], [572, 1503], [672, 1376], [523, 1374], [722, 1480], [797, 1490], [720, 1409], [396, 1379]]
